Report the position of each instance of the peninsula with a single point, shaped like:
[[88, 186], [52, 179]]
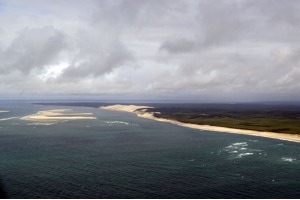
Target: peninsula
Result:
[[146, 112]]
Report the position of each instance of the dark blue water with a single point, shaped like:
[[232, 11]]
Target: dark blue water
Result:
[[122, 156]]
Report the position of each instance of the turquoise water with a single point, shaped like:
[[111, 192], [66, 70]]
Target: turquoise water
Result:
[[122, 156]]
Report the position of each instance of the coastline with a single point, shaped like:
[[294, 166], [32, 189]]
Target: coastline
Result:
[[57, 115], [141, 111]]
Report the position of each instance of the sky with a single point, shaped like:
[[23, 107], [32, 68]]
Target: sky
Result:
[[185, 50]]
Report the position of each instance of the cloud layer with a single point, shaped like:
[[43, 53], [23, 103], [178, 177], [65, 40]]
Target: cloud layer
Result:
[[209, 50]]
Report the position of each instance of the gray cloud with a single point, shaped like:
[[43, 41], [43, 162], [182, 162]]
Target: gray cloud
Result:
[[180, 45], [230, 49], [216, 23], [94, 57], [33, 49], [137, 14]]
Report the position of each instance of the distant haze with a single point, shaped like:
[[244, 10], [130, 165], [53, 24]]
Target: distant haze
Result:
[[211, 50]]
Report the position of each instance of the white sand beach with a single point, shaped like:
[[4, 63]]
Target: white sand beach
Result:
[[150, 115], [57, 115]]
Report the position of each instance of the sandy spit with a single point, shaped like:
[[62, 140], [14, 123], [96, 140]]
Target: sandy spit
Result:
[[142, 112], [57, 115]]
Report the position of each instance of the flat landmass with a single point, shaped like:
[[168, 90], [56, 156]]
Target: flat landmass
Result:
[[273, 120], [143, 112], [58, 115], [3, 111], [268, 118]]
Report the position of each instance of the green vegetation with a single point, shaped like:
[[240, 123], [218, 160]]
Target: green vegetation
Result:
[[273, 119]]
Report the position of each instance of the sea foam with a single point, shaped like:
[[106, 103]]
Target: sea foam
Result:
[[9, 118], [120, 122], [240, 150], [288, 159], [40, 124]]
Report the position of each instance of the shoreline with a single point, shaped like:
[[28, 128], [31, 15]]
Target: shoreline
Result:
[[57, 115], [141, 111]]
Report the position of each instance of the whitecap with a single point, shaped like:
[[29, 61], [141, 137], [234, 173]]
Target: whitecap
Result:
[[40, 124], [237, 145], [240, 149], [288, 159], [120, 122], [9, 118], [244, 154], [117, 122], [240, 144]]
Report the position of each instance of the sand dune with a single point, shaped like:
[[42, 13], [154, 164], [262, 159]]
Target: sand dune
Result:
[[126, 108], [57, 115], [142, 112]]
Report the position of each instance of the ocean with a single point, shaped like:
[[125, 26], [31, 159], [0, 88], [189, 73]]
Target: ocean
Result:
[[120, 155]]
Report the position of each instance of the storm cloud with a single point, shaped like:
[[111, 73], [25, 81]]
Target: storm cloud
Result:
[[231, 50]]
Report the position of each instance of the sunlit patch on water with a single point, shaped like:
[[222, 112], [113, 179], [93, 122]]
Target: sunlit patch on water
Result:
[[288, 159]]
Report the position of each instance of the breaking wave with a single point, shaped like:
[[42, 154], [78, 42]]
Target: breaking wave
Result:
[[241, 149], [40, 124], [9, 118], [244, 154], [120, 122], [288, 159]]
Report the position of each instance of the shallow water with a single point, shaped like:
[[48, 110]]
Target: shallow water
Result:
[[122, 156]]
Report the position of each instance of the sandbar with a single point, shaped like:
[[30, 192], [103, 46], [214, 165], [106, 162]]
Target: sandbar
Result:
[[58, 115], [141, 111], [3, 111]]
